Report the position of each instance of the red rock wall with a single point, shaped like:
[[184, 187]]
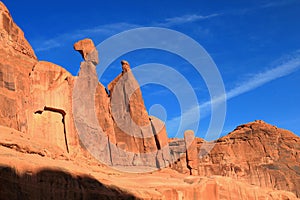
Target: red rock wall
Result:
[[16, 61], [256, 153]]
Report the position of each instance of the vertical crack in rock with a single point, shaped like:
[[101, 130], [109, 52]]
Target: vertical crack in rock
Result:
[[191, 152], [109, 150], [63, 114], [155, 136], [188, 166], [126, 99]]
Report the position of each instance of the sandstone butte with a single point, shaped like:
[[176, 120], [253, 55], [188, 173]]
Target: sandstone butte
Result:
[[43, 156]]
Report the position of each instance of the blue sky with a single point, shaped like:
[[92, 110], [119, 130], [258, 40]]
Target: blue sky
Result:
[[255, 45]]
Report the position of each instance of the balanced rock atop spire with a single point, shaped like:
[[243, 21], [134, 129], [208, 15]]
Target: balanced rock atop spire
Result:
[[87, 50]]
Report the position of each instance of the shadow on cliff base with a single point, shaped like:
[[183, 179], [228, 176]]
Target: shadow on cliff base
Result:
[[54, 184]]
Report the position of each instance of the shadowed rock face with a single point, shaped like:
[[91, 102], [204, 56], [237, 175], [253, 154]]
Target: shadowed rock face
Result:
[[55, 184], [34, 169], [42, 154]]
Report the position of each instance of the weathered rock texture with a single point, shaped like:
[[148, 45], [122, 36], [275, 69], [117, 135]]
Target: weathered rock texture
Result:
[[32, 170], [37, 99], [17, 59], [124, 129], [256, 153], [12, 37], [134, 131], [51, 106], [87, 50], [55, 128], [191, 152], [259, 154]]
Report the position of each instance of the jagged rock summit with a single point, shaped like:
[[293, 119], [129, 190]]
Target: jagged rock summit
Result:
[[64, 136], [127, 135]]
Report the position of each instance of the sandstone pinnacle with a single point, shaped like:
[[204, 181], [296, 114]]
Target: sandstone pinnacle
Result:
[[87, 50], [125, 66]]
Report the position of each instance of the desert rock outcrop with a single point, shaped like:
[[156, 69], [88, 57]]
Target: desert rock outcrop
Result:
[[256, 153], [62, 136], [135, 132], [127, 135]]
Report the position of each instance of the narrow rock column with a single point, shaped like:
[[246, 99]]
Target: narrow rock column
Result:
[[191, 152], [90, 131]]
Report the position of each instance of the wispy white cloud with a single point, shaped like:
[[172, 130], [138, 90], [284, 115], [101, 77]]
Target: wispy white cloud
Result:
[[107, 30], [276, 3], [262, 78], [286, 66], [185, 19], [113, 28], [60, 40], [46, 45], [258, 7]]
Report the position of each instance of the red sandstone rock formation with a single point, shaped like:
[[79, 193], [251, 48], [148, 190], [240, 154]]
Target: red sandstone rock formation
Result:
[[12, 37], [259, 154], [17, 60], [256, 153], [87, 50], [128, 136], [42, 155], [134, 131], [191, 152]]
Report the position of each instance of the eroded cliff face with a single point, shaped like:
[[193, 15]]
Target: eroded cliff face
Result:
[[17, 60], [256, 153], [36, 95], [116, 119], [46, 114], [259, 154], [37, 99]]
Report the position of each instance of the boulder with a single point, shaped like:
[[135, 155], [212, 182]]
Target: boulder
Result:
[[87, 50]]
